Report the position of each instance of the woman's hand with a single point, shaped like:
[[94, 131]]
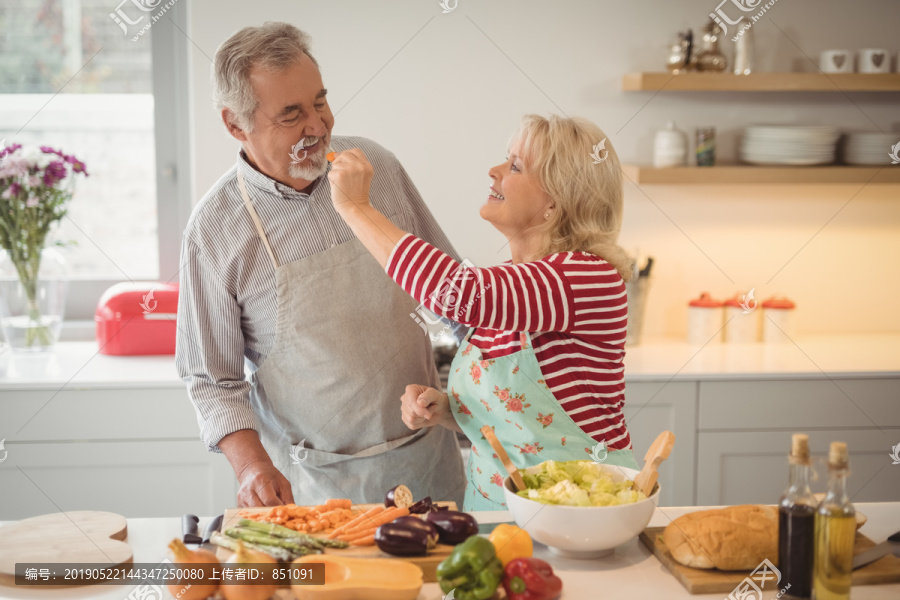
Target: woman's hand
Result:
[[350, 177], [422, 406]]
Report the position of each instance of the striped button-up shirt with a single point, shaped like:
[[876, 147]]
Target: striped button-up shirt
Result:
[[227, 300]]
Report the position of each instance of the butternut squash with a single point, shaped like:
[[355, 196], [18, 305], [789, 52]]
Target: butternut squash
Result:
[[361, 579]]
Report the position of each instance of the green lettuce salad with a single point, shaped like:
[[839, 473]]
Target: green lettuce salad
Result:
[[576, 483]]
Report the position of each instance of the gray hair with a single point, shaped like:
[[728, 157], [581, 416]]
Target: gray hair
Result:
[[273, 46]]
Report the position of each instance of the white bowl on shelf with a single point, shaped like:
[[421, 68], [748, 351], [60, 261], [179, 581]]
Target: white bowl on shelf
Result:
[[584, 532]]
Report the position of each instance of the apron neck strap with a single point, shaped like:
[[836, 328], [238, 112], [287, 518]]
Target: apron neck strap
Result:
[[255, 217]]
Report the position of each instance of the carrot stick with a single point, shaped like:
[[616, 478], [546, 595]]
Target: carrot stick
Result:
[[359, 519], [366, 541], [359, 533], [383, 517], [339, 503]]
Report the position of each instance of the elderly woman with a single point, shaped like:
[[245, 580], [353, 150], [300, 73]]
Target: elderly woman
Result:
[[542, 364]]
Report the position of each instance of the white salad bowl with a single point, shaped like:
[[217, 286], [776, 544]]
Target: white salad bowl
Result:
[[582, 531]]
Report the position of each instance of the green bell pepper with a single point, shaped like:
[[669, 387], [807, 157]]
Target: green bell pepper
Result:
[[472, 569]]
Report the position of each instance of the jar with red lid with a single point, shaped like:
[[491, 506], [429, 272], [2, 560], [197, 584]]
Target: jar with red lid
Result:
[[705, 318], [778, 321], [741, 319]]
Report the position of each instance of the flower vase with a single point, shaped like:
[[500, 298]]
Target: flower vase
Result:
[[32, 301]]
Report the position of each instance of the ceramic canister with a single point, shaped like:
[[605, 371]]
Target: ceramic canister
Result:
[[669, 147], [741, 321], [778, 319], [704, 320]]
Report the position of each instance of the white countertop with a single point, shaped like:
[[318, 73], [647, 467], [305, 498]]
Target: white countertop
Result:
[[631, 573], [80, 365]]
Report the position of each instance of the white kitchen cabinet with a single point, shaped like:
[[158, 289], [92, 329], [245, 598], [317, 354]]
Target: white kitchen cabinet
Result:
[[748, 467], [650, 409], [141, 478], [135, 452], [745, 432]]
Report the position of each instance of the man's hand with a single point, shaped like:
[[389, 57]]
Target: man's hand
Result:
[[261, 484], [422, 406], [351, 177]]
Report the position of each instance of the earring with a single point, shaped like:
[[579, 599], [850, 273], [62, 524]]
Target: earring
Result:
[[546, 215]]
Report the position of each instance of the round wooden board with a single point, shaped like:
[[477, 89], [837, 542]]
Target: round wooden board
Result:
[[75, 537]]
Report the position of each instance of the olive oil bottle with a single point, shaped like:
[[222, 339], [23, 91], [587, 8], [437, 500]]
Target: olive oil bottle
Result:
[[796, 523], [835, 532]]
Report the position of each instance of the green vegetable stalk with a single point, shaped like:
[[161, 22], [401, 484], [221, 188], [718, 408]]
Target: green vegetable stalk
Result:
[[472, 570]]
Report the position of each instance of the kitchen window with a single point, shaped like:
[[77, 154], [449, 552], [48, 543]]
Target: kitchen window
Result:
[[73, 78]]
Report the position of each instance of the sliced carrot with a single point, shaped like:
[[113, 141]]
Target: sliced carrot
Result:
[[366, 541], [339, 503]]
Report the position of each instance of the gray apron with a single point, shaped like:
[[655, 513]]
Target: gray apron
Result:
[[345, 349]]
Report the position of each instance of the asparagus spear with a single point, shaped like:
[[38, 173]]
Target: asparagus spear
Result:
[[256, 537], [282, 554], [284, 532]]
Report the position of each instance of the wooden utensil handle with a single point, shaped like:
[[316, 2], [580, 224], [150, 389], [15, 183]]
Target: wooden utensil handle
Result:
[[513, 471]]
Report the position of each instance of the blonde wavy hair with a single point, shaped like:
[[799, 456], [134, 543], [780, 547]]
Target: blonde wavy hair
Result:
[[589, 196]]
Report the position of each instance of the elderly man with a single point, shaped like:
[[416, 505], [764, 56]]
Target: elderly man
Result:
[[273, 279]]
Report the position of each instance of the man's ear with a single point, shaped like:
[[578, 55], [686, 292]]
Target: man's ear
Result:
[[235, 131]]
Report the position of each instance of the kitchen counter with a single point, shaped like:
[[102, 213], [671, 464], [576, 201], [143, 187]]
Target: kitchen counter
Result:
[[79, 364], [632, 572]]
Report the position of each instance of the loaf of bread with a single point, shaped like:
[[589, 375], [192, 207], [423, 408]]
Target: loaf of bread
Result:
[[729, 539]]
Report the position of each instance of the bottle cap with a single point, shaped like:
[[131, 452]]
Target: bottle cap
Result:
[[837, 455], [800, 448]]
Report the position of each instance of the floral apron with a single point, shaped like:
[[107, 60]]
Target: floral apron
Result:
[[509, 394]]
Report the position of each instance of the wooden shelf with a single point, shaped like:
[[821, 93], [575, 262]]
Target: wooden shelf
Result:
[[744, 174], [762, 82]]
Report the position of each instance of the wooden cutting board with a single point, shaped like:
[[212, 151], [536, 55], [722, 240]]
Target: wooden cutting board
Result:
[[709, 581], [72, 537], [427, 563]]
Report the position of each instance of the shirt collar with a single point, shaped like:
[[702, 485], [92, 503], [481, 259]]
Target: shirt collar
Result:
[[264, 182]]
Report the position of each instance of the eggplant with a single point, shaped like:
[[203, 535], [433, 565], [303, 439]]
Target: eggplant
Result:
[[398, 496], [418, 523], [453, 527], [422, 506], [405, 539]]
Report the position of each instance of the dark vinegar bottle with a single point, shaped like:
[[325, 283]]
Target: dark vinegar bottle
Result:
[[796, 524]]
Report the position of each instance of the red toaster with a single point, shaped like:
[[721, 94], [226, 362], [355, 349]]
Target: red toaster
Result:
[[137, 319]]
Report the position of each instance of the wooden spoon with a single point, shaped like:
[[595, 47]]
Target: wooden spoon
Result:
[[491, 437], [659, 451]]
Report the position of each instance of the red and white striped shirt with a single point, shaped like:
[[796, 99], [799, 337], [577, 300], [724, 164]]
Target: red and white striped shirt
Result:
[[572, 303]]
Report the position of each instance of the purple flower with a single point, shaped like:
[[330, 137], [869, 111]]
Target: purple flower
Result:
[[55, 172], [78, 166]]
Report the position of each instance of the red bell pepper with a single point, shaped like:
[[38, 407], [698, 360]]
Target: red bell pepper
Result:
[[530, 579]]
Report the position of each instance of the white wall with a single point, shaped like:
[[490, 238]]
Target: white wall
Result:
[[444, 92]]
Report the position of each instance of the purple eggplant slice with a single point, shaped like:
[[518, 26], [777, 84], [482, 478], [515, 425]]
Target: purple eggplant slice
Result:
[[422, 506], [398, 496]]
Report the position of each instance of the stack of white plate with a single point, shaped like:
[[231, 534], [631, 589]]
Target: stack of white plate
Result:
[[869, 148], [789, 144]]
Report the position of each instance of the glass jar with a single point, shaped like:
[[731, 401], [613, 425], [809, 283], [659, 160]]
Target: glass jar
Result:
[[32, 307]]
